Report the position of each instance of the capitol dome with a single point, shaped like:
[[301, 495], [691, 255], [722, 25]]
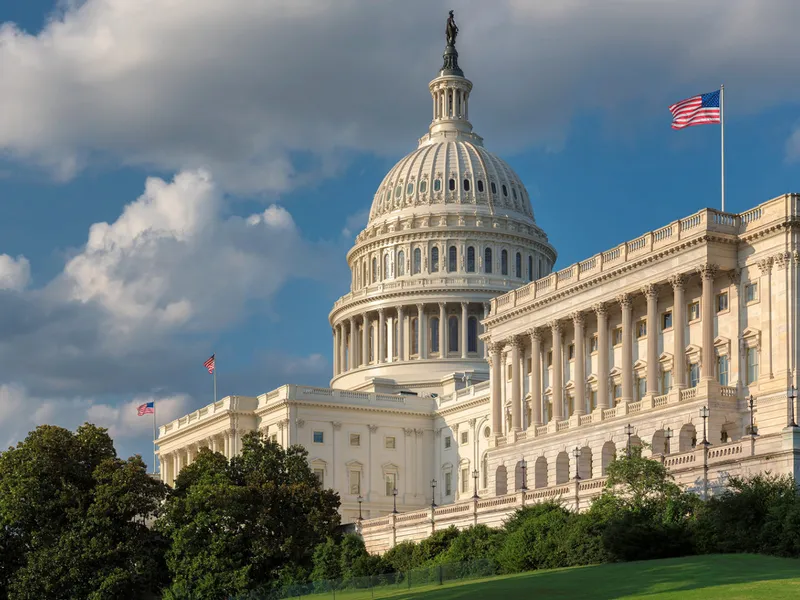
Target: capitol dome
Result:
[[451, 226]]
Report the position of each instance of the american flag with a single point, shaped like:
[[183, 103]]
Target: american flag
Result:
[[209, 364], [148, 408], [697, 110]]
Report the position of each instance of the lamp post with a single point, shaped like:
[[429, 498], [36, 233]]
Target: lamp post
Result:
[[577, 454], [360, 500], [753, 430], [433, 493], [475, 477], [523, 465], [792, 398], [629, 432], [667, 438], [394, 495], [704, 415]]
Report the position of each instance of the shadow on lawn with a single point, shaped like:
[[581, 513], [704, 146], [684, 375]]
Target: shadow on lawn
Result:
[[606, 582]]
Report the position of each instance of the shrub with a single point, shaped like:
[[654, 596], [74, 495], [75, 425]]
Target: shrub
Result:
[[474, 543], [534, 539], [402, 557], [431, 547]]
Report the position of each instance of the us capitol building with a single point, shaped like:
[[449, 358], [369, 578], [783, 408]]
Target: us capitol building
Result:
[[470, 378]]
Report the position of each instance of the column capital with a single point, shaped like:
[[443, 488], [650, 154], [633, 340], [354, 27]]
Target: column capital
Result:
[[535, 333], [337, 425], [650, 291], [735, 276], [464, 305], [517, 342], [624, 300], [708, 271], [300, 423], [678, 281], [420, 306], [494, 347], [441, 305], [555, 326], [765, 265], [472, 422], [401, 309], [372, 428], [578, 318], [600, 309], [381, 311], [783, 260], [408, 431]]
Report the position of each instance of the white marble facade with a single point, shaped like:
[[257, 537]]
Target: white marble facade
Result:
[[461, 357]]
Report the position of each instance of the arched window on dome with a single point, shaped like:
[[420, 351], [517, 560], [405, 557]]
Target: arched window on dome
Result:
[[414, 341], [386, 263], [541, 271], [470, 260], [480, 185], [410, 189], [514, 191], [518, 266], [487, 260], [504, 262], [530, 268], [452, 334], [417, 266], [374, 270], [466, 185], [435, 259], [472, 334], [364, 278], [401, 263], [433, 333], [398, 190], [505, 190], [494, 188], [423, 186], [451, 185], [452, 259], [437, 185]]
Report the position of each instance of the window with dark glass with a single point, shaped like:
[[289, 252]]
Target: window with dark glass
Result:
[[423, 185], [401, 263], [434, 334], [504, 262], [494, 188], [417, 261], [414, 335], [480, 185], [470, 260], [451, 184], [453, 334], [374, 269], [505, 190], [435, 259], [518, 265], [530, 268], [451, 259], [437, 185], [487, 260], [466, 185], [472, 334]]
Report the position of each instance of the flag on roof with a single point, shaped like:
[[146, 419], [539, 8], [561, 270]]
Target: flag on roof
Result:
[[209, 364], [697, 110], [148, 408]]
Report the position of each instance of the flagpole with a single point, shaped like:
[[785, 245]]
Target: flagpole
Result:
[[722, 142], [154, 437], [215, 379]]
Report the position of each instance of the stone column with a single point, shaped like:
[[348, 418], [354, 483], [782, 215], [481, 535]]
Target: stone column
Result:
[[707, 274], [627, 347], [580, 365], [464, 319], [651, 294], [516, 403], [381, 358], [536, 377], [602, 355], [176, 467], [558, 377], [352, 344], [496, 378], [765, 294], [442, 330], [401, 319], [734, 362], [678, 333], [342, 348], [483, 350], [365, 339], [335, 352], [420, 330]]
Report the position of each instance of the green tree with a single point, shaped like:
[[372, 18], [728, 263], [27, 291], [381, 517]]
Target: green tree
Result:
[[72, 517], [478, 542], [534, 539], [242, 525], [327, 561], [402, 557]]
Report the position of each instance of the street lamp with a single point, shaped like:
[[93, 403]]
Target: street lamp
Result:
[[792, 398], [394, 494], [360, 500], [667, 438], [475, 477], [523, 465], [577, 454], [704, 415], [629, 432], [753, 429], [433, 493]]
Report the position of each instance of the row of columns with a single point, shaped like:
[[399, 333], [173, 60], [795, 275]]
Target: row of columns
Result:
[[447, 98], [172, 462], [650, 291], [345, 336]]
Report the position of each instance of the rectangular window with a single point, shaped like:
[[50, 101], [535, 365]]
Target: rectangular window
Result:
[[752, 365], [355, 483], [641, 328], [666, 381], [617, 391], [592, 399], [464, 480], [391, 483], [722, 302], [548, 409], [549, 358], [448, 483], [722, 370], [464, 437], [447, 441], [274, 438], [320, 475], [617, 336], [694, 311], [666, 320], [390, 442], [319, 437], [641, 387], [593, 344], [570, 404], [694, 374], [751, 292], [355, 439], [571, 351]]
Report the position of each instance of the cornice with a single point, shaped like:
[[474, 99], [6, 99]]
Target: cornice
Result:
[[443, 412]]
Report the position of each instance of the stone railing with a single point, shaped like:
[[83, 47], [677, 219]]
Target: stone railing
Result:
[[229, 403]]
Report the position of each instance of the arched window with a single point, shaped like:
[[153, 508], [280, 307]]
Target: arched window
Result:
[[472, 334], [466, 185], [401, 263], [513, 191], [374, 269], [505, 190], [530, 268], [452, 256], [541, 272], [414, 341], [504, 262], [417, 268], [494, 188], [397, 191], [435, 259], [364, 278], [518, 265], [386, 266], [437, 185], [423, 186], [410, 189], [470, 260], [452, 334], [434, 333], [480, 185], [451, 185], [487, 260]]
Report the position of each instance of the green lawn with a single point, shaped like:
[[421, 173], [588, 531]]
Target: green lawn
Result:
[[723, 577]]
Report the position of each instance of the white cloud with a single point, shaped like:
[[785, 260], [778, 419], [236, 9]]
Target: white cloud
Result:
[[14, 273], [243, 87]]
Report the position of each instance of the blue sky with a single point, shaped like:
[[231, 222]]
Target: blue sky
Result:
[[233, 150]]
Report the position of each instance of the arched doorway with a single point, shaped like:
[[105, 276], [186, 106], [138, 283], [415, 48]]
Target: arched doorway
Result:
[[687, 439], [585, 463], [609, 452], [500, 481]]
